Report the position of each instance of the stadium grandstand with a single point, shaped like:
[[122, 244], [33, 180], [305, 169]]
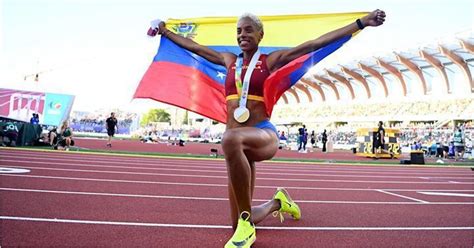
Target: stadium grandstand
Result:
[[433, 70], [94, 122], [423, 92]]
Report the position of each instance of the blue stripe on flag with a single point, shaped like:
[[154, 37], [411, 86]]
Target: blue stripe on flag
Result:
[[316, 57]]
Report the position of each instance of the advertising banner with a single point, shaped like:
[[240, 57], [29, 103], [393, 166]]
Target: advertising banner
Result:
[[20, 105]]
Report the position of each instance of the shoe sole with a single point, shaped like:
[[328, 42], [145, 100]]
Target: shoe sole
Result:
[[249, 243], [253, 240]]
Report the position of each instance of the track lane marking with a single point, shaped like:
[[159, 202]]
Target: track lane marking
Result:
[[222, 185], [402, 196], [225, 177], [219, 199], [289, 164], [222, 170], [445, 194], [145, 224]]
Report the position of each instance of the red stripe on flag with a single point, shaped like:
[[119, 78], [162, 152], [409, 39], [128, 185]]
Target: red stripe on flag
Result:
[[184, 87], [279, 81]]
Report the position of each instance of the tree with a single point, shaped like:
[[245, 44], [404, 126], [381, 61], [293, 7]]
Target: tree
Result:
[[186, 117], [155, 115]]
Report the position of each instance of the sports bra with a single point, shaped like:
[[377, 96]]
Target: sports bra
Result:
[[259, 75]]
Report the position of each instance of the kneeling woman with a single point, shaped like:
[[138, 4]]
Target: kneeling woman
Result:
[[249, 135], [65, 134]]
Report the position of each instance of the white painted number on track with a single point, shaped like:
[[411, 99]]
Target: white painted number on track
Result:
[[4, 170]]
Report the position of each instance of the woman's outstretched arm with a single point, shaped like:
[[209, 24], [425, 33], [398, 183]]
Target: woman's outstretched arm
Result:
[[188, 44], [280, 58]]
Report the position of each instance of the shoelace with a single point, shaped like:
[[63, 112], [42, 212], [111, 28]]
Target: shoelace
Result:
[[275, 214], [245, 215]]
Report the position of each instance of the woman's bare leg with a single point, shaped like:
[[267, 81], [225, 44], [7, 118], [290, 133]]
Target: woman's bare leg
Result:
[[261, 211], [234, 208], [240, 146]]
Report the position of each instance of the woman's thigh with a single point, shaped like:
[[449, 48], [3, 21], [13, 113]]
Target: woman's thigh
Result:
[[257, 144]]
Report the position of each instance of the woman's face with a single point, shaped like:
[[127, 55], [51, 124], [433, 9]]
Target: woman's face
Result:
[[248, 36]]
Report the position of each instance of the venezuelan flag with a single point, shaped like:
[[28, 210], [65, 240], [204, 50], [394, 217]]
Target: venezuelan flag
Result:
[[181, 78]]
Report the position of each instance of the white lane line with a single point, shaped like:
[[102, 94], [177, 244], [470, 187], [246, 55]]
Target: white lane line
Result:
[[446, 194], [119, 223], [123, 181], [262, 169], [220, 199], [223, 171], [225, 177], [222, 185], [145, 224], [191, 163], [117, 194], [440, 178], [402, 196]]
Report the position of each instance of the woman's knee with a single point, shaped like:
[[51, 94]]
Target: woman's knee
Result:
[[231, 141]]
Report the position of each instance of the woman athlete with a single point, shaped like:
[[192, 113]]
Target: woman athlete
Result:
[[249, 135]]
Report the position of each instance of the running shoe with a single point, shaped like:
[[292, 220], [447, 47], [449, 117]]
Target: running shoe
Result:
[[244, 235], [287, 205]]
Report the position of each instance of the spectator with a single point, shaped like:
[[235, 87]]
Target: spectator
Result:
[[451, 150], [313, 139], [379, 142], [34, 119], [432, 150], [10, 134], [418, 145], [111, 124], [304, 141], [301, 132], [458, 138], [65, 137], [324, 140], [445, 148], [53, 136]]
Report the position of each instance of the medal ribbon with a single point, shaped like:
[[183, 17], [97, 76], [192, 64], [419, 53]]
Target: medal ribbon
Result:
[[243, 89]]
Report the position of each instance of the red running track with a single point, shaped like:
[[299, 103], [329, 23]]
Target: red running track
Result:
[[76, 199]]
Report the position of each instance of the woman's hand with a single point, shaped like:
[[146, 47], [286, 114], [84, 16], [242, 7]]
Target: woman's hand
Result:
[[374, 19], [155, 27], [161, 25], [155, 23]]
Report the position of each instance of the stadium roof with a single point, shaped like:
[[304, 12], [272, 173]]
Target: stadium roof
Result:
[[393, 74]]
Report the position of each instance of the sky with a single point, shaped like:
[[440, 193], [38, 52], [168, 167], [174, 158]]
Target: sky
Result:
[[98, 50]]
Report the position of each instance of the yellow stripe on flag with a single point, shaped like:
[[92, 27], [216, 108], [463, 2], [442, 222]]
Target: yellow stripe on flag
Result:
[[280, 31]]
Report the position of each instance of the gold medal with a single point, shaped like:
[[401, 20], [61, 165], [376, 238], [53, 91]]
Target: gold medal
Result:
[[241, 114]]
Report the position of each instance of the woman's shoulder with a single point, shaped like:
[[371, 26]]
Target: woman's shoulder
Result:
[[229, 58]]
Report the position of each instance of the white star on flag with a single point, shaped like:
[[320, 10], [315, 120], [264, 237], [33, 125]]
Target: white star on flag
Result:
[[220, 75]]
